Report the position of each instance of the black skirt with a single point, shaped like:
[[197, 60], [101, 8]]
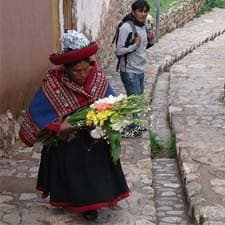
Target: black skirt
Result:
[[80, 174]]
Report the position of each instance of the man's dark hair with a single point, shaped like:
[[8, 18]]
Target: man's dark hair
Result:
[[140, 4]]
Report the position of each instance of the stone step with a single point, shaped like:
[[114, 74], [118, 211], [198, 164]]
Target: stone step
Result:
[[171, 205]]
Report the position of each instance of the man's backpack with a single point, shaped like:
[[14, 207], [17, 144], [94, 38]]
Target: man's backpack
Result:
[[130, 38]]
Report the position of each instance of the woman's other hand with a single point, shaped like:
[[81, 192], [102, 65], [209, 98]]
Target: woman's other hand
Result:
[[66, 127]]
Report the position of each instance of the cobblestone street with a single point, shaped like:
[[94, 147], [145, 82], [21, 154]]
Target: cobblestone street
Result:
[[185, 78]]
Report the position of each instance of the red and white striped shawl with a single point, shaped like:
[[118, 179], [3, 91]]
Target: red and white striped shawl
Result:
[[64, 97]]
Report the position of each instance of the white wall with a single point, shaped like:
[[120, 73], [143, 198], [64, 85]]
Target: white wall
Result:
[[89, 14]]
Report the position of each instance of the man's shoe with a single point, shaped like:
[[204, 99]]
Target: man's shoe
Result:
[[142, 128], [133, 130], [137, 133]]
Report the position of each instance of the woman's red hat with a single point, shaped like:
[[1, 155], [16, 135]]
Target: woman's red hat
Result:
[[76, 47]]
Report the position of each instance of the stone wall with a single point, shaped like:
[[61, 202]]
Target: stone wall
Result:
[[9, 128], [173, 19], [180, 15]]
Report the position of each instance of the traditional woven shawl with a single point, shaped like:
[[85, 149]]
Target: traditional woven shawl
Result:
[[58, 97]]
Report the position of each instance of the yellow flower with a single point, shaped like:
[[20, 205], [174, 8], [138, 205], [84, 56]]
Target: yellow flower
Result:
[[103, 116], [91, 118]]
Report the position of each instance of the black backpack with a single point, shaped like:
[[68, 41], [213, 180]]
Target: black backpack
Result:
[[129, 40]]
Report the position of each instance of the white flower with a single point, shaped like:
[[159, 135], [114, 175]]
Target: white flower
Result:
[[119, 125], [118, 98], [149, 23], [109, 100], [97, 133]]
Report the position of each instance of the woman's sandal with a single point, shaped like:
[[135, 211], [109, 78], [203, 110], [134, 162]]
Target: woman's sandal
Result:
[[90, 215]]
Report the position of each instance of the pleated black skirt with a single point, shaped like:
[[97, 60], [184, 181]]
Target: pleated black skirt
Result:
[[81, 175]]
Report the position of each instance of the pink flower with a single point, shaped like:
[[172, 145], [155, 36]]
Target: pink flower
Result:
[[100, 106]]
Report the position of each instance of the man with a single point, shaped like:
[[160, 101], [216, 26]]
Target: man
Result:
[[133, 56]]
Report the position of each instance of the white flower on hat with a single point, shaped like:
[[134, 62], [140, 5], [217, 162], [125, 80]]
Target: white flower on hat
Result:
[[74, 40]]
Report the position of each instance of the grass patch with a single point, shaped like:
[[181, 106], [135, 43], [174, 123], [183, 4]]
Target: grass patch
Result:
[[165, 5], [159, 149], [171, 146], [156, 144], [222, 99], [209, 5]]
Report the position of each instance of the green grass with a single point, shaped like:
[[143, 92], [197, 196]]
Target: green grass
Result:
[[221, 99], [156, 144], [171, 146], [165, 5], [160, 149], [209, 5]]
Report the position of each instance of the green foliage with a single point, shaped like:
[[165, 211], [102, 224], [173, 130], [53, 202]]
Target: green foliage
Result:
[[165, 5], [114, 138], [156, 144], [171, 146], [159, 149], [209, 5], [222, 99], [215, 3]]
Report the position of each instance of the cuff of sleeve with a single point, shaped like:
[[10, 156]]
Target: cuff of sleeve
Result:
[[53, 127], [133, 47]]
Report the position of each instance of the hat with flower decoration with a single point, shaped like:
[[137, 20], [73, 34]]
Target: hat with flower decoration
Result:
[[75, 48]]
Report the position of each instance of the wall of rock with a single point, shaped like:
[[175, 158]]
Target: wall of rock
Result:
[[9, 128], [174, 18], [180, 15]]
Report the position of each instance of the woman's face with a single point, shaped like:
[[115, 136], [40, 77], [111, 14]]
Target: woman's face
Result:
[[79, 72], [140, 14]]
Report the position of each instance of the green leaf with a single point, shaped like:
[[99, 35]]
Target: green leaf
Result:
[[79, 116], [114, 139]]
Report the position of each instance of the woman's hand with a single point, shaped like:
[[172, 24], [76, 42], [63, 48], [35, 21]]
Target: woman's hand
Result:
[[66, 129]]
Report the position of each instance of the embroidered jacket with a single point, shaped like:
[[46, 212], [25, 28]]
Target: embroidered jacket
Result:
[[58, 97]]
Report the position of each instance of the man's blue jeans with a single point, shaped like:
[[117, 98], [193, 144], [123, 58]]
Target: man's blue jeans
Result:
[[133, 83]]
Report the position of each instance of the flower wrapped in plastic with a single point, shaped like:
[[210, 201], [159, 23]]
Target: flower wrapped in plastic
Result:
[[109, 117]]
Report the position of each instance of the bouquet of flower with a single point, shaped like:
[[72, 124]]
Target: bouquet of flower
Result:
[[150, 23], [108, 117]]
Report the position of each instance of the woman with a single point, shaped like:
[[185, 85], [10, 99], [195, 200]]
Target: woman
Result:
[[77, 172]]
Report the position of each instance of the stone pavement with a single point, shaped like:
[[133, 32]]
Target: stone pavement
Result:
[[170, 201], [194, 56], [198, 119]]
